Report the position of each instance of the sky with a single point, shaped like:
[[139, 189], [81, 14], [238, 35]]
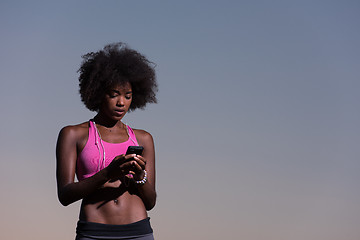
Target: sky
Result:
[[256, 128]]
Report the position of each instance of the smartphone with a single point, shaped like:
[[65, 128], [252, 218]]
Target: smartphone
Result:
[[138, 150]]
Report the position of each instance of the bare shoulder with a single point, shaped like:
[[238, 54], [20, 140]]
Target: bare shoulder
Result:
[[78, 131], [143, 136]]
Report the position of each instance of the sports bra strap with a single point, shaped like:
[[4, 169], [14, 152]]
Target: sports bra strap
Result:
[[131, 134]]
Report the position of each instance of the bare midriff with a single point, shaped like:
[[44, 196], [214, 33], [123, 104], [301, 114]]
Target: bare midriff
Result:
[[113, 204]]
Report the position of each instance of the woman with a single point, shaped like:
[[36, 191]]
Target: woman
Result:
[[117, 189]]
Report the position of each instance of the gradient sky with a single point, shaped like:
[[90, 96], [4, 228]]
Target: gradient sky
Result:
[[256, 130]]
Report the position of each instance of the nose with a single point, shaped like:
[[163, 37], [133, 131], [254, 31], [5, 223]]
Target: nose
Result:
[[120, 101]]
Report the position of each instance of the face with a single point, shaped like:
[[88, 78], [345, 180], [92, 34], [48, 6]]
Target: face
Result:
[[117, 101]]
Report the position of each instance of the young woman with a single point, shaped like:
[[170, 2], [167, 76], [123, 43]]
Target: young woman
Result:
[[117, 189]]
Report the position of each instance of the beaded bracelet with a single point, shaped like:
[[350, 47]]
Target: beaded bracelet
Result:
[[143, 181]]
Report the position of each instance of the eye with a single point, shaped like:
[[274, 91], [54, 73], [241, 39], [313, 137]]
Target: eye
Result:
[[113, 95], [128, 97]]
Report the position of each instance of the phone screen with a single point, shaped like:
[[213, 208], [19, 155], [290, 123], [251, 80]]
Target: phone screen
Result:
[[138, 150]]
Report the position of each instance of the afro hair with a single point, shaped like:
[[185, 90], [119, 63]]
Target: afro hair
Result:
[[116, 64]]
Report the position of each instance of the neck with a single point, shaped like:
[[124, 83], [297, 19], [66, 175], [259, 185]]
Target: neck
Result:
[[106, 122]]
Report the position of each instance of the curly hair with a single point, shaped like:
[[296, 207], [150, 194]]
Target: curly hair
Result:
[[116, 64]]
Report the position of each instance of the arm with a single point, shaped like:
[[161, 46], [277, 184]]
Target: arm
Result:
[[147, 191], [66, 155], [67, 147]]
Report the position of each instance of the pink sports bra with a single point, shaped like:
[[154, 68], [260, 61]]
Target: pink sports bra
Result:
[[97, 154]]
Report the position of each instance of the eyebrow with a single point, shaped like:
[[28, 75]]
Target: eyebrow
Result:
[[118, 92]]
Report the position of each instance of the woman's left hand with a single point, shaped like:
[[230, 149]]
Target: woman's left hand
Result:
[[137, 167]]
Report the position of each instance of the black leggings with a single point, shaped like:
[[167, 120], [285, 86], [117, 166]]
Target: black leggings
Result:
[[146, 237], [140, 230]]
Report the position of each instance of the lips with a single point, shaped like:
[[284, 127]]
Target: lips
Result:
[[119, 111]]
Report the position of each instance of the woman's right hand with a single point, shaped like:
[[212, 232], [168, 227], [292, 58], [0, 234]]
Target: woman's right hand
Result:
[[120, 166]]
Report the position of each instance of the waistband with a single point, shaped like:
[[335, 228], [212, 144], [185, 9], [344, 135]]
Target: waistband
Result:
[[91, 229]]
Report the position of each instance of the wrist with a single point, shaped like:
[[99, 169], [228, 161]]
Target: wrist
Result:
[[142, 178], [105, 174]]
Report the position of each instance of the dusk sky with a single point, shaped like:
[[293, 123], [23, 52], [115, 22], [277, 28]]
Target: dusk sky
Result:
[[256, 128]]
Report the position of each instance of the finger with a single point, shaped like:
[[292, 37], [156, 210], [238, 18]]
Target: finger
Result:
[[140, 162], [136, 167], [129, 156], [126, 167], [127, 159], [133, 161], [141, 158], [118, 158]]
